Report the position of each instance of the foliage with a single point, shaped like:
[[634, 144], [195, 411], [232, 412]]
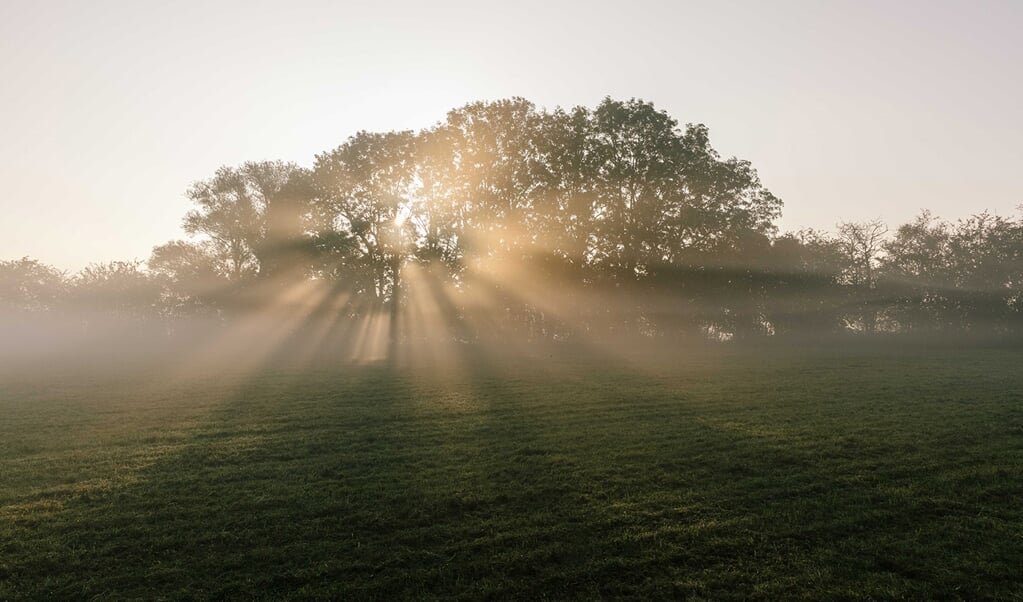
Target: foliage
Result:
[[957, 277], [606, 220], [26, 285], [248, 214], [117, 289]]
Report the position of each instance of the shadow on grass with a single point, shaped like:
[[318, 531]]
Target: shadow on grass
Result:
[[523, 477]]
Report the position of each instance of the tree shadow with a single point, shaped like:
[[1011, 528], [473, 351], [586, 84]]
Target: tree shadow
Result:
[[514, 476]]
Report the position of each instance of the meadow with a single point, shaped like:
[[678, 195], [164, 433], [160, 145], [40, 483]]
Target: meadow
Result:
[[880, 472]]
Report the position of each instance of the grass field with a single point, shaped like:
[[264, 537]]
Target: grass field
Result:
[[707, 474]]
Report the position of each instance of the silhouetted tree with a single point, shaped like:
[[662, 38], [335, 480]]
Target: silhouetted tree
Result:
[[26, 285], [250, 214], [960, 277], [805, 293], [365, 189], [606, 220], [193, 279], [863, 245], [118, 289]]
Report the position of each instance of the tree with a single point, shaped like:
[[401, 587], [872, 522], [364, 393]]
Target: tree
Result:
[[192, 278], [251, 215], [965, 276], [365, 189], [986, 254], [491, 154], [917, 263], [804, 294], [863, 244], [118, 289], [514, 203], [26, 285], [635, 154]]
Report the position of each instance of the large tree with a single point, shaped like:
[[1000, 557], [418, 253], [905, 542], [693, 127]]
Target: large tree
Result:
[[366, 188], [534, 209]]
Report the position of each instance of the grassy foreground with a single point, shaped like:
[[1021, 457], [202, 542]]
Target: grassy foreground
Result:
[[858, 474]]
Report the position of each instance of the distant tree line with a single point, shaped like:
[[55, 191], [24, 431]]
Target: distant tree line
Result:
[[610, 220]]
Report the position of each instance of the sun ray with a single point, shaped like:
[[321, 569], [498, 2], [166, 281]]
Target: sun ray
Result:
[[253, 338]]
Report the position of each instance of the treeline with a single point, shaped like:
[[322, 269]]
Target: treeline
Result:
[[548, 223]]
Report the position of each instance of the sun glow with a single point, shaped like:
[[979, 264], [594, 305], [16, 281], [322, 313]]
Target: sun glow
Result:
[[431, 320], [402, 216]]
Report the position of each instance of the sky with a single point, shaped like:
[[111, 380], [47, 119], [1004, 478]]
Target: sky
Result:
[[849, 110]]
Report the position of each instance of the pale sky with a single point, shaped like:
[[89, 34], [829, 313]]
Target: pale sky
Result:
[[849, 110]]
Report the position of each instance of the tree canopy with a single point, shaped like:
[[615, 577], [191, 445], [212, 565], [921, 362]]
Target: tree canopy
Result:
[[611, 219]]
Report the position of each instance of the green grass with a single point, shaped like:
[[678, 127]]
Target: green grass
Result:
[[776, 474]]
